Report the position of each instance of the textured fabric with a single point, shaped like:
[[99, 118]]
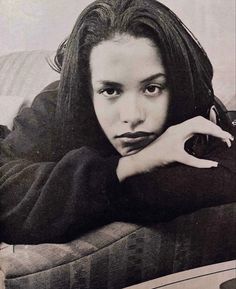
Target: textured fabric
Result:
[[3, 131], [77, 196], [119, 255], [24, 74], [46, 256]]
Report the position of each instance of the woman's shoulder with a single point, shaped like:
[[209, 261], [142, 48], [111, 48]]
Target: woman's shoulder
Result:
[[48, 95], [52, 86], [33, 128]]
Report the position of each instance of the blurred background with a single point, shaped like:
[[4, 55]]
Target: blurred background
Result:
[[43, 24]]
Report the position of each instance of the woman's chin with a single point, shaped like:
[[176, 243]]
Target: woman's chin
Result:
[[128, 152]]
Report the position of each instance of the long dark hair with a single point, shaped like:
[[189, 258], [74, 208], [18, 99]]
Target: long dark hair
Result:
[[189, 71]]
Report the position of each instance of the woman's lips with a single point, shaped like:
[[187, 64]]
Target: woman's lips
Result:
[[134, 134], [135, 141]]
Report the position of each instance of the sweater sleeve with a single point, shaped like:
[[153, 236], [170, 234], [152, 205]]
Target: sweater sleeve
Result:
[[178, 189], [48, 201]]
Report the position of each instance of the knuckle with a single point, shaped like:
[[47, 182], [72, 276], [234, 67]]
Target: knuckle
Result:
[[200, 119]]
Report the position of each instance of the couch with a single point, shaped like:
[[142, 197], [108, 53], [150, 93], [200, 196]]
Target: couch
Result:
[[118, 254]]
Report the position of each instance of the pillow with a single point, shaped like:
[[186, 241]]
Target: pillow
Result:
[[22, 76], [25, 74]]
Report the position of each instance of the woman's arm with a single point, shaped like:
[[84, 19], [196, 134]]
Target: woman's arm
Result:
[[165, 192], [46, 201], [170, 148]]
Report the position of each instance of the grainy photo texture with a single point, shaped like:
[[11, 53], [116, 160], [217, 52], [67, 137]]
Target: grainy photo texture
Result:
[[117, 149]]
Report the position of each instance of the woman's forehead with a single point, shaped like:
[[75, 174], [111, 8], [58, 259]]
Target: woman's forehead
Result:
[[124, 56], [125, 41]]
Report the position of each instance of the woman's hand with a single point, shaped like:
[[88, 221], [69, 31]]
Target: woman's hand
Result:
[[169, 148]]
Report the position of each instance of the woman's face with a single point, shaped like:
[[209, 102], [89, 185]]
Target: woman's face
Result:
[[130, 93]]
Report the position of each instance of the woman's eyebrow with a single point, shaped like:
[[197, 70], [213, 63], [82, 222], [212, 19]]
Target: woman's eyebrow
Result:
[[154, 76], [111, 83], [119, 85]]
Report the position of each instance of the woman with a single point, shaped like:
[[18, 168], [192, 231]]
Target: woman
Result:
[[120, 136]]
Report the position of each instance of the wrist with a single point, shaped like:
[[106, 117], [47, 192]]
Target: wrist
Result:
[[127, 167]]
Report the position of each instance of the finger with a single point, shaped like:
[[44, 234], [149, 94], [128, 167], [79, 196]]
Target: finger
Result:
[[228, 142], [192, 161], [204, 126]]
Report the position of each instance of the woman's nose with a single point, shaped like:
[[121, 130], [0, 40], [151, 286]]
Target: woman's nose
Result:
[[132, 111]]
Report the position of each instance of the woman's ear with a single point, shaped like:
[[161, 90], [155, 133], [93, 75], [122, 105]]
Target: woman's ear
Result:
[[213, 114]]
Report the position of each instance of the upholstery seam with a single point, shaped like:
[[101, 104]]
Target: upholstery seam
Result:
[[85, 256]]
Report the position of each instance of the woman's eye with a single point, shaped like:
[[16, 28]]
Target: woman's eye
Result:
[[110, 92], [153, 89]]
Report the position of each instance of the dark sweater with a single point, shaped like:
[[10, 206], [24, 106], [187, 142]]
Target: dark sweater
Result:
[[43, 200]]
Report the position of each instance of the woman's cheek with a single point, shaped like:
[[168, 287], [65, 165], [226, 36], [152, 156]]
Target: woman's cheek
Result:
[[104, 112]]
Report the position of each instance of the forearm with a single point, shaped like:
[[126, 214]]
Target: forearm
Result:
[[126, 168], [139, 163]]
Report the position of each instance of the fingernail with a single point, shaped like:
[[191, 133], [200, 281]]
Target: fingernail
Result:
[[228, 142], [215, 165]]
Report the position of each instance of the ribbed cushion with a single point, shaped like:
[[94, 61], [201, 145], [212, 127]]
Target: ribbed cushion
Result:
[[45, 256], [122, 254], [26, 73], [22, 76]]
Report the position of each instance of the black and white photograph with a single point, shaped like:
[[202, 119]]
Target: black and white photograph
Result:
[[117, 144]]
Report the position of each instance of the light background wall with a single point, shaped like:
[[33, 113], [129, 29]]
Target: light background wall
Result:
[[43, 24]]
